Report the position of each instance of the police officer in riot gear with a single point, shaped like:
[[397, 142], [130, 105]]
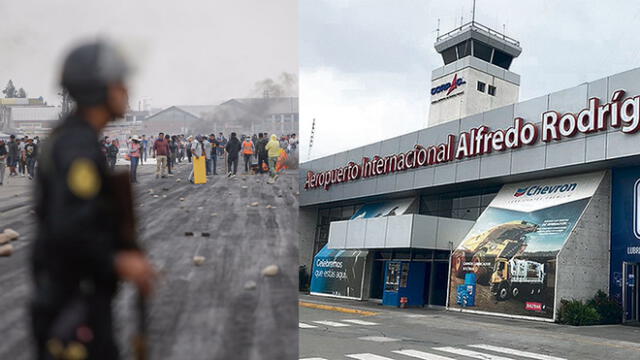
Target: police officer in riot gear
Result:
[[79, 256]]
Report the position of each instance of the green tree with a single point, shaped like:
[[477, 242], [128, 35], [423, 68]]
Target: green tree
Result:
[[22, 93], [9, 90]]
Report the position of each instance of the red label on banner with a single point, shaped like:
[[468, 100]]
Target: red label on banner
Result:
[[533, 306]]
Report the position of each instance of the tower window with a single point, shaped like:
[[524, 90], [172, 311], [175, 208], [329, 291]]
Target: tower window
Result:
[[482, 51], [502, 59], [449, 55], [492, 90], [481, 86], [464, 49]]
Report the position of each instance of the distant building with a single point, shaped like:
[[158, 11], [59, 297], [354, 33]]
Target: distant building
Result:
[[184, 119], [33, 120], [241, 115], [7, 103], [252, 115], [131, 124]]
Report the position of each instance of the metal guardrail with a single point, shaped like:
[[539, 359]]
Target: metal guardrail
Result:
[[475, 25]]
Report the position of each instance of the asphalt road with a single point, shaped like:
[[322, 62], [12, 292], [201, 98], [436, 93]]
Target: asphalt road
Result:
[[224, 309], [405, 334]]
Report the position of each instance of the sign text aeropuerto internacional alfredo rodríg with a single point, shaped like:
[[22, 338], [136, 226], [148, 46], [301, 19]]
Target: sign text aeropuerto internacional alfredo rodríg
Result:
[[620, 113]]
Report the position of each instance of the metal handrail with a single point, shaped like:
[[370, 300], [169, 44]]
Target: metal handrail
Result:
[[473, 24]]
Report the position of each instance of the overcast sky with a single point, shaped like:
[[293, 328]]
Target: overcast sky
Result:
[[365, 65], [186, 52]]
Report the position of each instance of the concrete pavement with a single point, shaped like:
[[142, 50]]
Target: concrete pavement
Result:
[[403, 334], [224, 309]]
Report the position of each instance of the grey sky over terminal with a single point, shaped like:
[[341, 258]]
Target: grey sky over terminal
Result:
[[365, 65], [185, 52]]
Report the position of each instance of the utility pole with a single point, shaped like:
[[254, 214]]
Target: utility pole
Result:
[[313, 132]]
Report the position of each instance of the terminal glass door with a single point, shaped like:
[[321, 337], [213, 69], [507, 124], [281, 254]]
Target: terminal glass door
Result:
[[630, 292]]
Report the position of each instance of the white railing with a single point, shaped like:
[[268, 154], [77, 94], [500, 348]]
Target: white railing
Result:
[[475, 25]]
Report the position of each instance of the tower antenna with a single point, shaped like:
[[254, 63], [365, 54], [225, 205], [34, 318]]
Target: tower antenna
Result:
[[313, 131], [473, 13]]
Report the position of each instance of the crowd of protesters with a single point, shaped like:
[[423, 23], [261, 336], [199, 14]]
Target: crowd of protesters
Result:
[[20, 156], [259, 153]]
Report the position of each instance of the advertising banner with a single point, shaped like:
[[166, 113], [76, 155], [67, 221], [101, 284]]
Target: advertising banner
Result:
[[625, 227], [512, 248], [338, 273], [385, 208]]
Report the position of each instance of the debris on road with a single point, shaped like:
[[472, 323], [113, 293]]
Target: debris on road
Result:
[[198, 260], [4, 238], [12, 234], [250, 285], [6, 250], [271, 270]]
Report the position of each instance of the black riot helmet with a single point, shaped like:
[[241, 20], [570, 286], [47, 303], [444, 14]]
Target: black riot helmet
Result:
[[89, 69]]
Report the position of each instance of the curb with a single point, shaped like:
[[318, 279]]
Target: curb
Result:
[[336, 308]]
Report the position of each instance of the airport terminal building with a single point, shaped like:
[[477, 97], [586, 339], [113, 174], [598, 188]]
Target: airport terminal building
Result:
[[498, 206]]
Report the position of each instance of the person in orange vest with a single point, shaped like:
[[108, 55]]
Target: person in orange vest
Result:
[[247, 151]]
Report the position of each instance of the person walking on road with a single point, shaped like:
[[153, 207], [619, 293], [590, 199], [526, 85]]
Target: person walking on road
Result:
[[22, 158], [173, 151], [4, 154], [206, 152], [144, 147], [232, 149], [196, 152], [79, 255], [273, 151], [112, 154], [248, 149], [160, 153], [30, 154], [167, 138], [222, 142], [262, 152], [213, 156], [14, 154], [134, 157]]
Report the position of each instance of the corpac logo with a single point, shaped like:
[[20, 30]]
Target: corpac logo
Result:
[[449, 86], [544, 190]]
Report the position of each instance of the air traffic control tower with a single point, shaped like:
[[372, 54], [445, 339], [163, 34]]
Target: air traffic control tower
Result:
[[475, 76]]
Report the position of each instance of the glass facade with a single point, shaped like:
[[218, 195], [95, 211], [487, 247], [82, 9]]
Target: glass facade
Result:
[[467, 205], [325, 217]]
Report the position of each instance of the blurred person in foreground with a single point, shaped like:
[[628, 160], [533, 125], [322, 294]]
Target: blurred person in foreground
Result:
[[79, 254]]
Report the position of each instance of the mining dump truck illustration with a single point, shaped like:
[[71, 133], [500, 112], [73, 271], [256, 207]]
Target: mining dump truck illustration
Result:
[[507, 240], [515, 277]]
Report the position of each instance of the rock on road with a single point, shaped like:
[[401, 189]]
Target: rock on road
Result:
[[225, 308]]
